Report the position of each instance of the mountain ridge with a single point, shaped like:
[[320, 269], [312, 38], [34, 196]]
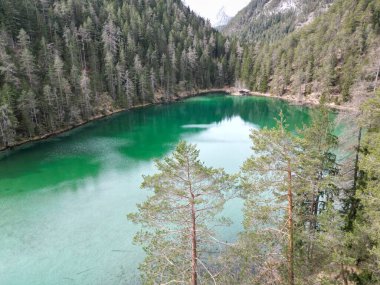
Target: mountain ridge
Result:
[[272, 19], [332, 57], [222, 19]]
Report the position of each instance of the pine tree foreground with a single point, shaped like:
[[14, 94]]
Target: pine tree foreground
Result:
[[180, 218]]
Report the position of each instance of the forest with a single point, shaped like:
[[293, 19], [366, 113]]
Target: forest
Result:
[[266, 20], [310, 216], [65, 62], [335, 58]]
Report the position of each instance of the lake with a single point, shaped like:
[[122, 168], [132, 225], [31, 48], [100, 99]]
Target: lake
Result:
[[64, 201]]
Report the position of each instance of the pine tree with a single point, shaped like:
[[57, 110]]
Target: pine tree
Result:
[[7, 66], [178, 218], [27, 103], [8, 125], [51, 108], [367, 232], [269, 179], [86, 94], [27, 60], [319, 196], [129, 89]]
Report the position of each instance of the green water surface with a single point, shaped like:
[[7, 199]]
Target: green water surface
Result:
[[64, 201]]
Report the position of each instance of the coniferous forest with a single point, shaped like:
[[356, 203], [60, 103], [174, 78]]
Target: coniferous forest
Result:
[[334, 58], [310, 216], [310, 193], [64, 62]]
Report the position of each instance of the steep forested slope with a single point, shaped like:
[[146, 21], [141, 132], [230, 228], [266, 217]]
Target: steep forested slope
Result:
[[268, 20], [63, 62], [336, 57]]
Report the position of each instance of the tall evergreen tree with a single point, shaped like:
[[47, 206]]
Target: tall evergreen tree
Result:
[[269, 179], [179, 218]]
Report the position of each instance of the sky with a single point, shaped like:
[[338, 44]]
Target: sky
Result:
[[209, 8]]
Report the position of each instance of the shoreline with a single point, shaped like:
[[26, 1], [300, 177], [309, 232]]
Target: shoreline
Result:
[[157, 101], [69, 128], [233, 91], [296, 102]]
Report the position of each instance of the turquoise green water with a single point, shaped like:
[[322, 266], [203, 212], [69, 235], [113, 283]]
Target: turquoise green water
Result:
[[64, 201]]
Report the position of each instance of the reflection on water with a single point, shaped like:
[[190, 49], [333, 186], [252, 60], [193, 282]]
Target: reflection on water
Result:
[[64, 201]]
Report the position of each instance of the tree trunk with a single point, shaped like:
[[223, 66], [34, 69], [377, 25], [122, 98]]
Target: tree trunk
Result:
[[377, 78], [355, 201], [193, 245], [194, 256], [2, 133], [290, 229], [356, 174]]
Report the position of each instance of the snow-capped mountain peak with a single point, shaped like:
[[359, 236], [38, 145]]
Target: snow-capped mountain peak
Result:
[[222, 18]]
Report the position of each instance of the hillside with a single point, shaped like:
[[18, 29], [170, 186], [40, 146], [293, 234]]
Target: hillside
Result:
[[334, 58], [268, 20], [64, 62]]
